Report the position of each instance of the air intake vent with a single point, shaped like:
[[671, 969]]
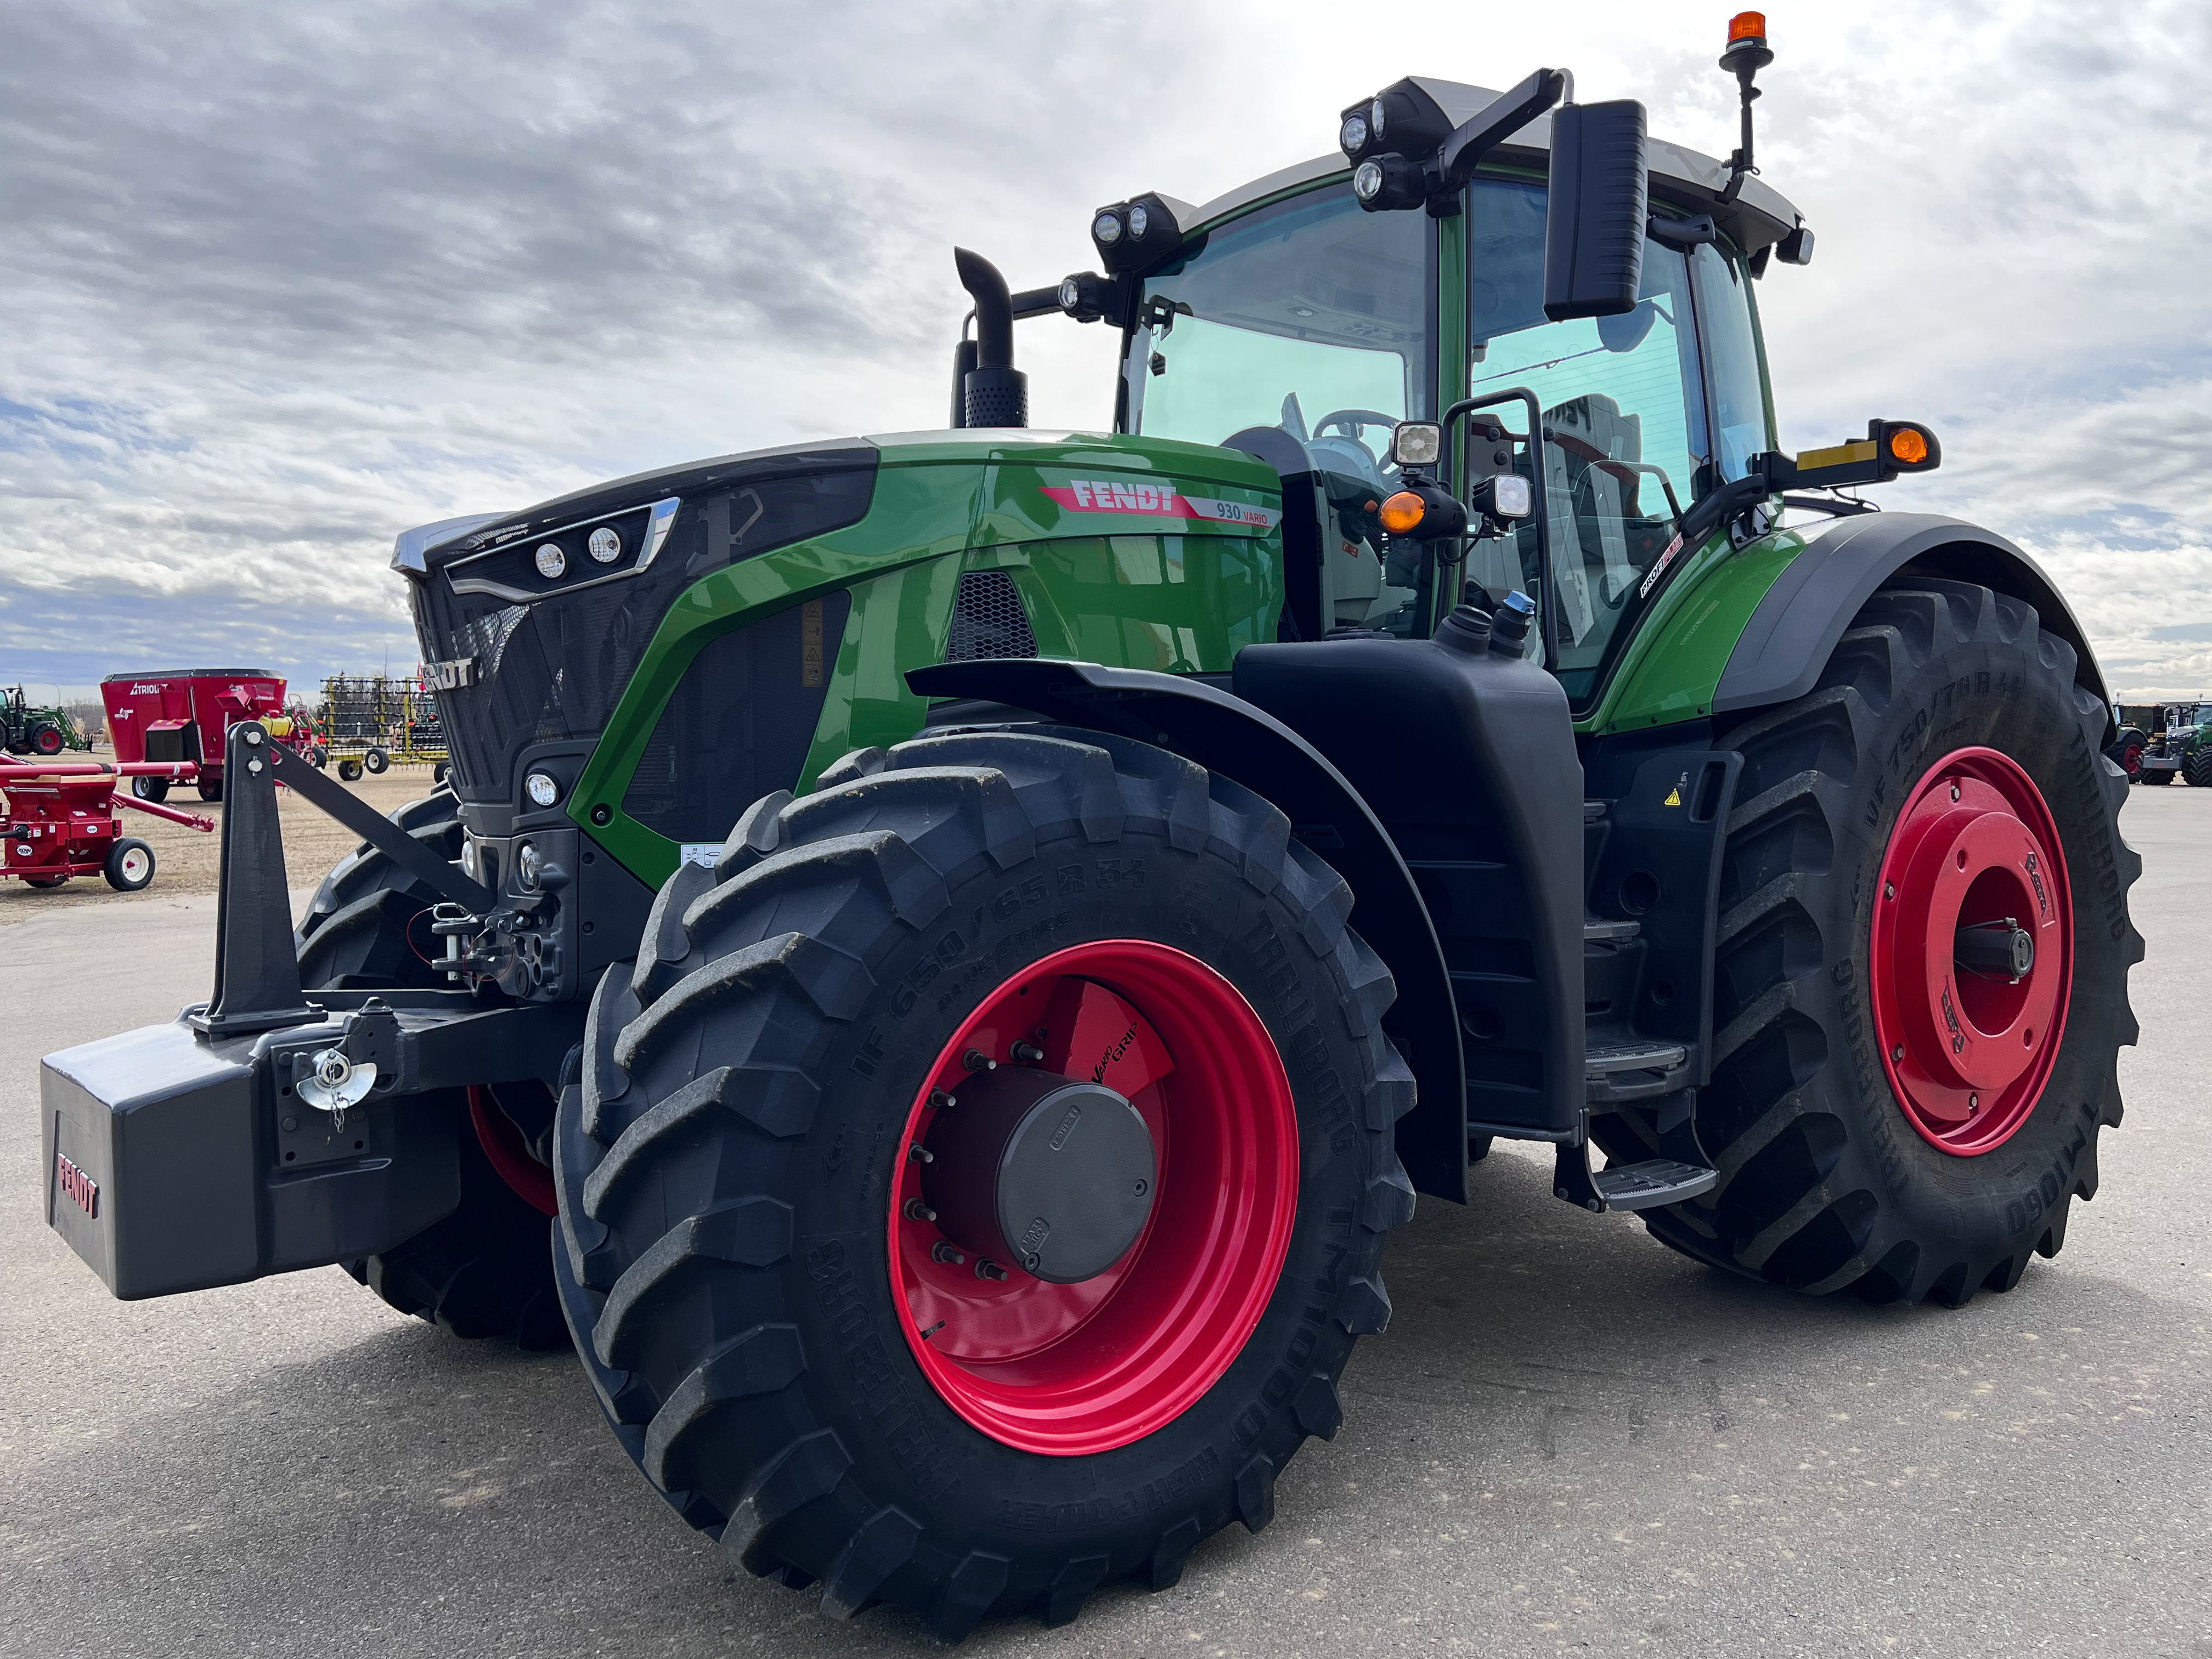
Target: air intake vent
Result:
[[989, 619]]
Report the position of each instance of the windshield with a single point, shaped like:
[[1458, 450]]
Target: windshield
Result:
[[1311, 317], [1628, 429]]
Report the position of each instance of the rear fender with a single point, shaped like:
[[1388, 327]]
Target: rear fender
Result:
[[1226, 734], [1783, 648]]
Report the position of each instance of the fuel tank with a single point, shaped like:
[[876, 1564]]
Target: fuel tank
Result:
[[1466, 754]]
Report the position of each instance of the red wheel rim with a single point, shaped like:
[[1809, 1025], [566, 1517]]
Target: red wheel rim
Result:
[[531, 1181], [1968, 1048], [1071, 1370]]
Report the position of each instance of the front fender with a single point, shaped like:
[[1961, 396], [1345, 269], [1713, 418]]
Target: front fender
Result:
[[1226, 734]]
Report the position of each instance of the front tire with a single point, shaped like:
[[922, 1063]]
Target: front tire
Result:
[[1859, 1146], [2198, 768], [153, 789], [747, 1257], [375, 760]]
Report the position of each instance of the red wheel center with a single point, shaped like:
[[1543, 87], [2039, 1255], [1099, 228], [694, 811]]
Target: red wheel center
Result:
[[1972, 951], [1072, 1369]]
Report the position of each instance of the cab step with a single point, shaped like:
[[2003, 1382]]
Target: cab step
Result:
[[1645, 1186], [1617, 1072], [1648, 1185]]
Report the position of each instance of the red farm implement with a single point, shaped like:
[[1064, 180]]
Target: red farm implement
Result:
[[184, 714], [66, 820]]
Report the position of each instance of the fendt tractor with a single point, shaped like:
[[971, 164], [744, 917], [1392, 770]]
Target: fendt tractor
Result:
[[969, 942]]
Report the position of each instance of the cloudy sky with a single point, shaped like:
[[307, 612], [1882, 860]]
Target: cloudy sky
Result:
[[278, 281]]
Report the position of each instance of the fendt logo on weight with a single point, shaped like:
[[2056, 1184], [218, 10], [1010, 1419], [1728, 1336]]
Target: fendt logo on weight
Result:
[[450, 676], [81, 1188]]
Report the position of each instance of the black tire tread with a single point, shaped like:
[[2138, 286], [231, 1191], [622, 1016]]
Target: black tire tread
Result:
[[787, 929], [1767, 1050]]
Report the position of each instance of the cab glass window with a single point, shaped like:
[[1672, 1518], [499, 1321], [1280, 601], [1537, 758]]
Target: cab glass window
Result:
[[1312, 317], [1739, 392], [1624, 423]]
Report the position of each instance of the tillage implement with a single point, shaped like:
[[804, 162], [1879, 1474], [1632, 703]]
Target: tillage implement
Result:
[[967, 942]]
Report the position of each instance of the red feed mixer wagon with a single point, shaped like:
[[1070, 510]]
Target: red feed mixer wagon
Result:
[[59, 819], [184, 714]]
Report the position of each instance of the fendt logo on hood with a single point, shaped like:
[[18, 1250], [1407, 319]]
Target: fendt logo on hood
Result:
[[1156, 500], [450, 676]]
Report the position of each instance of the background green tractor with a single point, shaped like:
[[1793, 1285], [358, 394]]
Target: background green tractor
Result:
[[2175, 745], [970, 941], [28, 729]]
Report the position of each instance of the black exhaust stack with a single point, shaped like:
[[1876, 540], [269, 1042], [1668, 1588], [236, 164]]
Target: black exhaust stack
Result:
[[992, 391]]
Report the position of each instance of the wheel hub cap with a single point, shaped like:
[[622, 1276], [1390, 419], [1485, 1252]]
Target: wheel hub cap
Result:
[[1031, 1169], [1972, 951]]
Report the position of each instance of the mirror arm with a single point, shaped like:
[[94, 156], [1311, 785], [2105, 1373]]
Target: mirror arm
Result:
[[1459, 156]]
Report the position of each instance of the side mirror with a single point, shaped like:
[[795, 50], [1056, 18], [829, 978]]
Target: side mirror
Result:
[[1599, 203]]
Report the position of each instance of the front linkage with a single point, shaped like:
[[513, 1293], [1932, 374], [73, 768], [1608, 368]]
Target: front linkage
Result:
[[268, 1130]]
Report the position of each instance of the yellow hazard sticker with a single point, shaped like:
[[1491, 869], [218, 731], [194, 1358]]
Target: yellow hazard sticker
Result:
[[1674, 797]]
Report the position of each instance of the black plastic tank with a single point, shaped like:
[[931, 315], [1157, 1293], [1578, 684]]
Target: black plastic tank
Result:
[[1466, 754]]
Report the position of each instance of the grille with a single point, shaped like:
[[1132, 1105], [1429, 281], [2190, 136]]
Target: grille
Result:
[[989, 619]]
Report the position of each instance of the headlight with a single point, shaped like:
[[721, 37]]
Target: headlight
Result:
[[1375, 116], [1352, 136], [528, 863], [470, 863], [1106, 229], [605, 546], [1140, 221], [1071, 294], [543, 788], [1366, 185], [1510, 497], [1417, 443], [551, 560]]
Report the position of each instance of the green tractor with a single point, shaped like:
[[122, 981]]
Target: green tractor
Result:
[[969, 942], [26, 728], [2177, 746]]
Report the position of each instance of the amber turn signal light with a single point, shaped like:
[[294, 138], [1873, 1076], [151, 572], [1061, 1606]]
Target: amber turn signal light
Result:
[[1403, 514], [1908, 444]]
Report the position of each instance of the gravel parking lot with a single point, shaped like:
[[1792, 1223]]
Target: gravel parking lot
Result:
[[1571, 1438]]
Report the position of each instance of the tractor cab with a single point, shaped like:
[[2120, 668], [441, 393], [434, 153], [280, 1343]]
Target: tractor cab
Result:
[[1300, 321]]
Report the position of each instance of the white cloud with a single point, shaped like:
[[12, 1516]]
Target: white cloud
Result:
[[284, 282]]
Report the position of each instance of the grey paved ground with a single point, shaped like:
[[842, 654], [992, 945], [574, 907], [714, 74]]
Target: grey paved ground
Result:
[[1570, 1438]]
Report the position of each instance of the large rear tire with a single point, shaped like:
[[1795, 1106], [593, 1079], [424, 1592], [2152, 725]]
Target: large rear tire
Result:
[[788, 1340], [485, 1270], [1947, 758], [2196, 770]]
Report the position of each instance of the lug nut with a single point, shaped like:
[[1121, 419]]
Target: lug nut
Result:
[[918, 1211], [920, 1154], [986, 1269], [976, 1060], [1028, 1052], [1973, 1102], [940, 1100], [1954, 791], [1897, 1053], [1888, 889], [942, 1251]]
